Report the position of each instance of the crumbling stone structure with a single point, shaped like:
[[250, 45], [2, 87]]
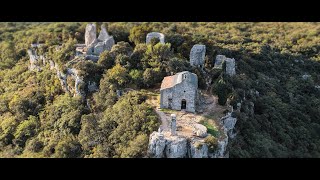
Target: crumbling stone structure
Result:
[[230, 67], [95, 46], [151, 35], [197, 55]]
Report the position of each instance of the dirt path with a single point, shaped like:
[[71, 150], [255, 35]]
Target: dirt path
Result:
[[164, 121]]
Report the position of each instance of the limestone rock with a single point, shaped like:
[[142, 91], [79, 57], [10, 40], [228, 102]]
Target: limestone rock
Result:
[[176, 147], [99, 48], [92, 86], [200, 130], [109, 43], [198, 149], [228, 122], [197, 55], [157, 145], [103, 35], [158, 35], [222, 148], [33, 58], [90, 34]]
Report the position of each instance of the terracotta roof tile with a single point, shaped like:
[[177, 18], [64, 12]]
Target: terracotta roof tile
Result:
[[167, 82]]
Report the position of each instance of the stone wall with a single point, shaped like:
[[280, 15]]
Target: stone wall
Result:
[[186, 90], [219, 61], [197, 55], [151, 35], [90, 34], [95, 46], [230, 64]]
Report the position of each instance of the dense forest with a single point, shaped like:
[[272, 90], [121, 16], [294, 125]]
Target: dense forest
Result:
[[277, 82]]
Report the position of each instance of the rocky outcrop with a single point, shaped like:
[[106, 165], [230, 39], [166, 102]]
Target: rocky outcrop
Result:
[[222, 148], [36, 60], [228, 123], [33, 58], [176, 147], [198, 149], [103, 34], [78, 81], [163, 145], [157, 145], [100, 44], [90, 34]]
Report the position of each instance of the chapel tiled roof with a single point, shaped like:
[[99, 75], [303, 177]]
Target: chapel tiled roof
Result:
[[167, 82], [170, 81]]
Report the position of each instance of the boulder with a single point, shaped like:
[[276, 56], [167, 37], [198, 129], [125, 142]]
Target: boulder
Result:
[[200, 130]]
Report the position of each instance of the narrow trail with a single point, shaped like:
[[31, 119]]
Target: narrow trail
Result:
[[164, 121]]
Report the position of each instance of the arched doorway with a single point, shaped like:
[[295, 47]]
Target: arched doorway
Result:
[[183, 104]]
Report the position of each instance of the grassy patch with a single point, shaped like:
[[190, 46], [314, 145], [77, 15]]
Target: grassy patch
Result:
[[211, 129], [169, 111]]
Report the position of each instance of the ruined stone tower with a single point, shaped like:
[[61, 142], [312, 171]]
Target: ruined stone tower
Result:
[[197, 55]]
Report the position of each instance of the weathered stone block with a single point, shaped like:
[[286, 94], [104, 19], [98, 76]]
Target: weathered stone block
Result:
[[197, 55]]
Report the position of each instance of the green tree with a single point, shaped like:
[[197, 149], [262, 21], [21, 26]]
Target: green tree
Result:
[[138, 33], [25, 130]]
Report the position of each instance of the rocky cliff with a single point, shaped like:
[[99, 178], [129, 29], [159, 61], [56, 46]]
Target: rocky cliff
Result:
[[164, 145]]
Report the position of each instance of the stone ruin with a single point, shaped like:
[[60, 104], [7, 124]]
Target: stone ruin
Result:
[[151, 35], [230, 64], [219, 61], [90, 34], [90, 50], [197, 55], [94, 46]]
